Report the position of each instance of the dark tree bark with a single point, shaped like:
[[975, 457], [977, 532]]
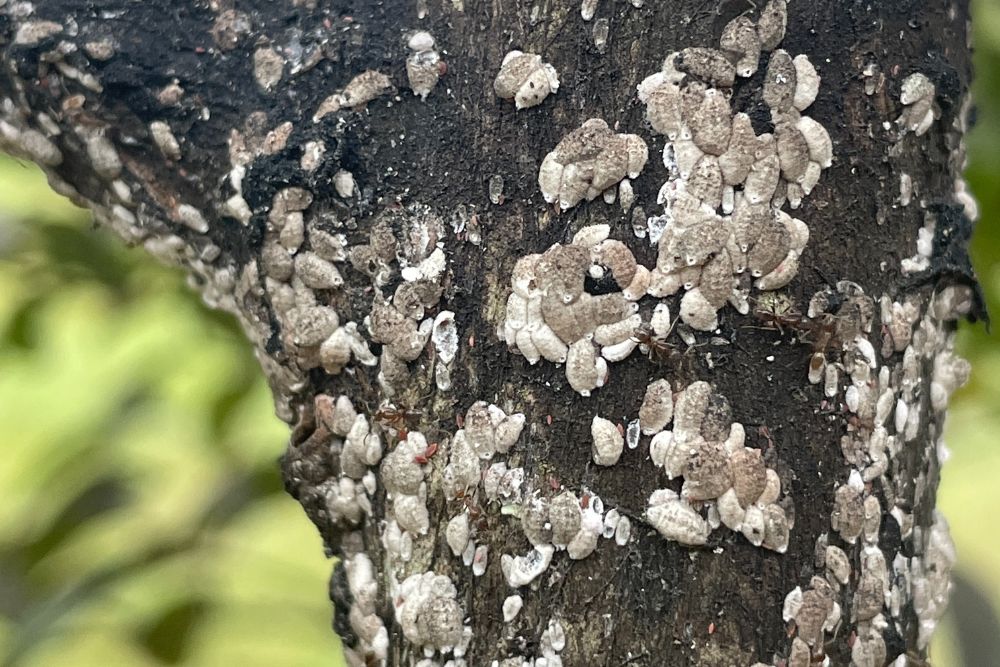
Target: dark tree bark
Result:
[[342, 231]]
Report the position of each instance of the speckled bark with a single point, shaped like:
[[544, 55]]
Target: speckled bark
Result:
[[651, 602]]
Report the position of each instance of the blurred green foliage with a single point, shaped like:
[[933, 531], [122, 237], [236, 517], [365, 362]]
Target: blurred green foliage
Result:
[[143, 520]]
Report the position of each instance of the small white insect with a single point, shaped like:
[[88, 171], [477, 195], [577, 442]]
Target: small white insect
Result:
[[608, 441]]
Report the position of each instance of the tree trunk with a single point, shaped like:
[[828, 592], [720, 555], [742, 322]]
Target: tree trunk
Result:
[[399, 260]]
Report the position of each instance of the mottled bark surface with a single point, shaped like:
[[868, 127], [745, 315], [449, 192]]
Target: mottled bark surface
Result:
[[114, 69]]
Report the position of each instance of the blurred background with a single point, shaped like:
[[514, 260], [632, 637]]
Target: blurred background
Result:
[[143, 520]]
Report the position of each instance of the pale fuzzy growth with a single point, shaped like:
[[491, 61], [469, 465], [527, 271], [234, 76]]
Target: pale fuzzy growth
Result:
[[588, 161], [29, 143], [690, 408], [931, 573], [526, 79], [741, 44], [776, 528], [345, 501], [707, 474], [512, 607], [344, 344], [553, 639], [423, 70], [600, 33], [268, 66], [191, 217], [623, 531], [411, 513], [711, 125], [360, 90], [838, 565], [428, 612], [480, 560], [793, 151], [585, 371], [806, 82], [817, 141], [816, 607], [31, 33], [708, 65], [848, 512], [522, 570], [463, 469], [780, 82], [697, 312], [771, 24], [591, 527], [102, 153], [587, 9], [420, 41], [165, 140], [660, 321], [457, 533], [316, 272], [479, 429], [367, 625], [343, 182], [754, 527], [731, 512], [312, 155], [792, 604], [674, 454], [920, 111], [444, 336], [675, 520], [608, 441], [772, 488], [662, 98], [657, 409], [626, 196], [619, 351]]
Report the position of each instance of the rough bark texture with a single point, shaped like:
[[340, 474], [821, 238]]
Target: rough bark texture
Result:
[[80, 95]]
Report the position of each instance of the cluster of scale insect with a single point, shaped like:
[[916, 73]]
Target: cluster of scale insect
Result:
[[550, 644], [549, 314], [889, 367], [334, 470], [725, 482], [589, 162], [717, 162], [722, 226], [892, 399]]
